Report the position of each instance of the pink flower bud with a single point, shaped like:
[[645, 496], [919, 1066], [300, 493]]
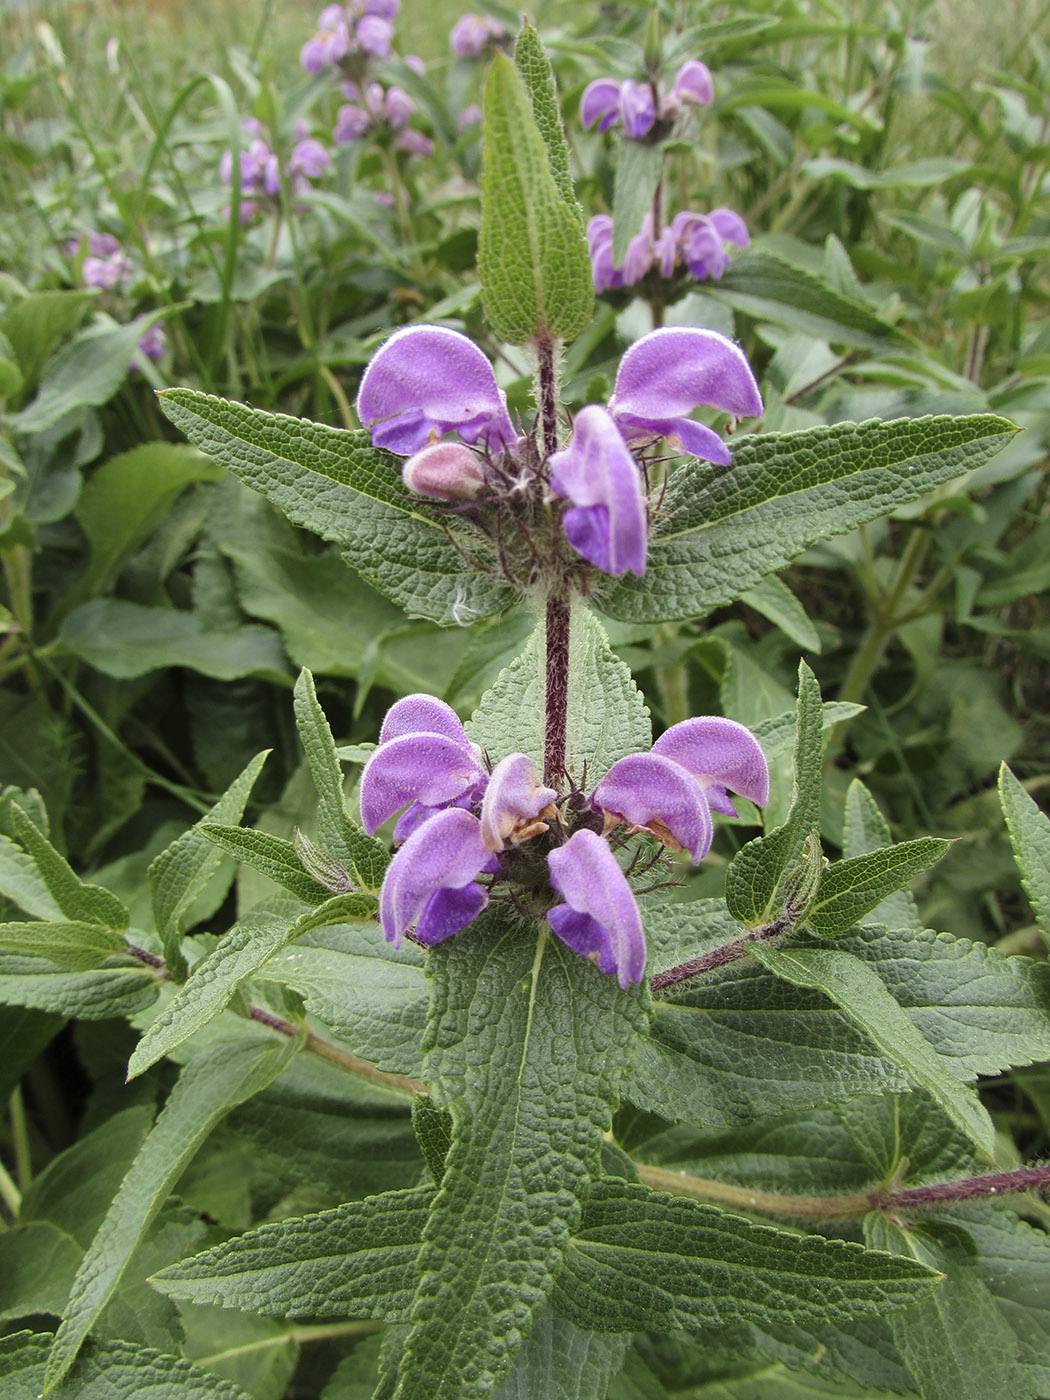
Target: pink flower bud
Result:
[[447, 470]]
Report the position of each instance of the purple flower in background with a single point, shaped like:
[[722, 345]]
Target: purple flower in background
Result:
[[399, 107], [600, 103], [671, 371], [639, 106], [105, 274], [471, 34], [607, 522], [470, 116], [374, 36], [637, 109], [153, 343], [310, 159], [427, 380], [697, 242], [415, 143], [351, 123], [671, 791], [329, 45], [693, 85], [599, 918]]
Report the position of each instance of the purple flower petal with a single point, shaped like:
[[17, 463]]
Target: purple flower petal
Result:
[[607, 522], [693, 85], [599, 241], [730, 227], [600, 103], [429, 882], [427, 379], [423, 714], [513, 801], [637, 109], [720, 754], [431, 769], [374, 35], [599, 916], [668, 373], [654, 794]]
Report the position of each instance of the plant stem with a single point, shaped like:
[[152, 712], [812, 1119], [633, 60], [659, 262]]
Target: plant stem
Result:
[[9, 1192], [717, 957], [557, 688], [400, 1083], [20, 1140], [319, 1332]]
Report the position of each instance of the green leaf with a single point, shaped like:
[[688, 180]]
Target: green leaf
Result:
[[560, 1361], [775, 601], [916, 173], [356, 1261], [646, 1261], [371, 995], [865, 830], [723, 531], [365, 857], [638, 170], [272, 856], [338, 485], [76, 900], [181, 871], [607, 716], [96, 994], [857, 988], [760, 881], [36, 323], [23, 1035], [38, 1263], [433, 1129], [108, 1371], [849, 889], [530, 1092], [125, 499], [208, 1088], [1029, 830], [22, 883], [538, 76], [955, 1343], [125, 640], [87, 371], [769, 288], [532, 256], [72, 946]]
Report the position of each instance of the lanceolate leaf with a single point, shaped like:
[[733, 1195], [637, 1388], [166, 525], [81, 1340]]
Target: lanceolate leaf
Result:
[[865, 829], [638, 170], [723, 530], [338, 485], [538, 77], [857, 988], [956, 1343], [209, 1087], [759, 881], [1030, 833], [71, 946], [78, 901], [530, 1091], [180, 873], [272, 856], [852, 888], [94, 994], [607, 716], [109, 1370], [365, 857], [532, 256], [643, 1260]]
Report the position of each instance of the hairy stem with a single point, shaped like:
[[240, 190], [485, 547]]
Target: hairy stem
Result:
[[717, 957], [557, 688], [400, 1083], [548, 396]]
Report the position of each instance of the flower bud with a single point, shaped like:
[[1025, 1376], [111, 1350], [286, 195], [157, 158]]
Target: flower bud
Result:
[[444, 469]]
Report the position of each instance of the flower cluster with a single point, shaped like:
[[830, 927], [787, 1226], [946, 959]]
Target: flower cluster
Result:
[[641, 107], [460, 822], [361, 27], [428, 381], [695, 242], [107, 268], [472, 34], [260, 169], [371, 107]]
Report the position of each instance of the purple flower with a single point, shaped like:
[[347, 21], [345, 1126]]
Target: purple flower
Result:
[[351, 123], [415, 143], [424, 761], [701, 240], [695, 241], [385, 9], [399, 107], [670, 792], [310, 159], [637, 109], [600, 103], [429, 380], [693, 85], [447, 470], [513, 804], [607, 276], [374, 35], [329, 45], [430, 881], [671, 371], [599, 917], [105, 273], [470, 35], [470, 116], [153, 343], [607, 522]]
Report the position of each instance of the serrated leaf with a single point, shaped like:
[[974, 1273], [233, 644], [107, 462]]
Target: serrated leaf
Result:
[[530, 1092], [1029, 830], [775, 601], [365, 857], [371, 995], [355, 1261], [71, 946], [532, 256], [857, 988], [852, 888], [638, 170], [272, 856], [643, 1260], [722, 531], [560, 1361], [337, 484], [864, 830], [75, 899], [208, 1088], [955, 1343], [114, 1370], [538, 77], [95, 994], [758, 881], [22, 883], [606, 717], [181, 871], [433, 1129]]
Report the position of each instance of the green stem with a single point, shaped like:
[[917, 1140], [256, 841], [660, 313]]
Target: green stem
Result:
[[9, 1192], [20, 1141], [319, 1332]]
